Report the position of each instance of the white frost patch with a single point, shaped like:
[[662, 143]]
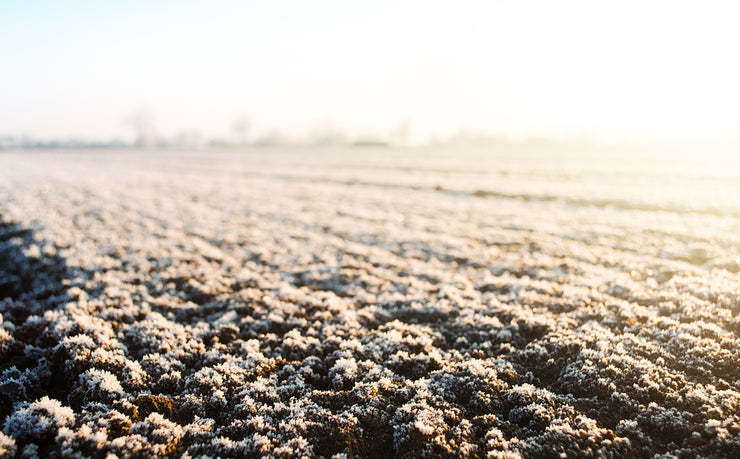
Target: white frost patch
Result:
[[43, 418]]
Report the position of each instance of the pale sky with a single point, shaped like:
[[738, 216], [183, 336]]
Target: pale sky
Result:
[[618, 69]]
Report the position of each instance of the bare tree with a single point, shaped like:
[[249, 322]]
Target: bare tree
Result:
[[142, 122], [401, 133], [325, 133], [190, 139], [241, 128]]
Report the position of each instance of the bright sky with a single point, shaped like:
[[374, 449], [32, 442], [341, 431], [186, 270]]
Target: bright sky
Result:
[[658, 69]]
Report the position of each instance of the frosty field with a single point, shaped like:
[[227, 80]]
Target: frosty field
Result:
[[408, 303]]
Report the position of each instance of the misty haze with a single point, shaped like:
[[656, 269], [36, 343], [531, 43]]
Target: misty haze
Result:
[[418, 229]]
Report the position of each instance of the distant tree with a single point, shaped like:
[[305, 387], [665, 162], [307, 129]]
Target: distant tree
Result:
[[401, 134], [273, 138], [190, 139], [326, 133], [142, 122], [241, 129]]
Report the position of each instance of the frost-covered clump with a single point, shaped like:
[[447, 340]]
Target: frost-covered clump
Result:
[[40, 421], [98, 386], [7, 445], [344, 372]]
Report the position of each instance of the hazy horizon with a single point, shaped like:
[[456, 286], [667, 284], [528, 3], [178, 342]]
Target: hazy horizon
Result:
[[576, 70]]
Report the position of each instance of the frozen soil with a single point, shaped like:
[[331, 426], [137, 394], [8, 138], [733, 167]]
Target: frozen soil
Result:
[[268, 304]]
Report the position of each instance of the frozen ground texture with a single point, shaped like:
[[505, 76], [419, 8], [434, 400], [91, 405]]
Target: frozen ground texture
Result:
[[374, 303]]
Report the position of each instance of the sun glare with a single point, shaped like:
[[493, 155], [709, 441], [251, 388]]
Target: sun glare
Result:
[[626, 70], [388, 228]]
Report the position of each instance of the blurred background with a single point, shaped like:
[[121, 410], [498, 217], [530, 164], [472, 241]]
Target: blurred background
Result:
[[574, 74]]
